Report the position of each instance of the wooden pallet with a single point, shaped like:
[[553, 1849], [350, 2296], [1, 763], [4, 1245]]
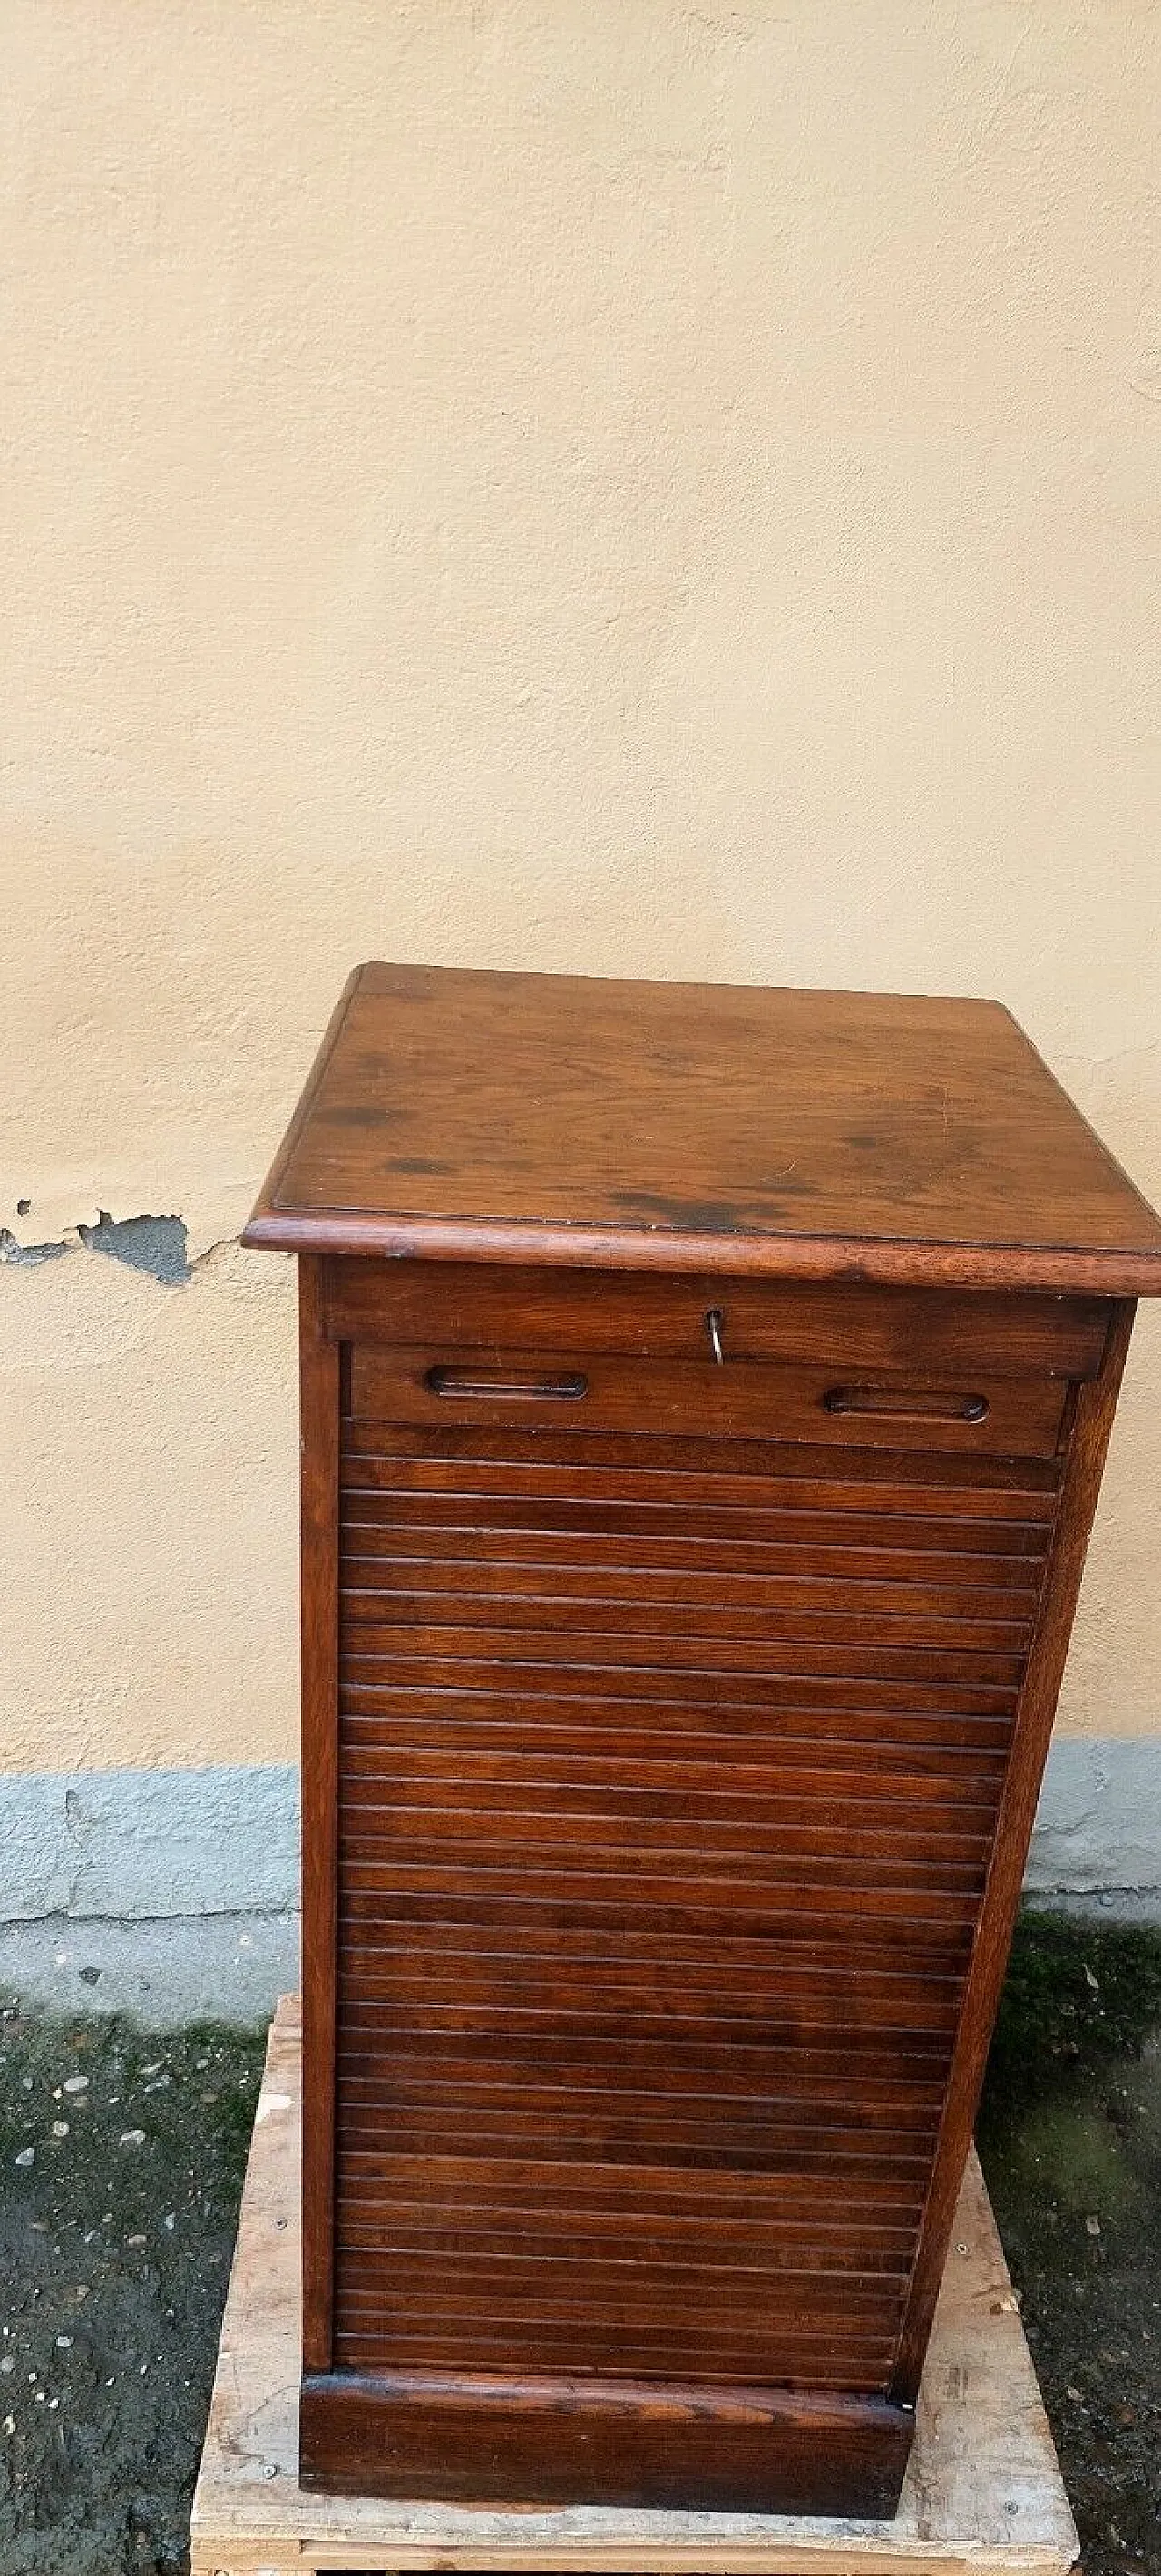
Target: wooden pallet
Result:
[[983, 2496]]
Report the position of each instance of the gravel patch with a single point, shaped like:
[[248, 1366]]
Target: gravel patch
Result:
[[121, 2161]]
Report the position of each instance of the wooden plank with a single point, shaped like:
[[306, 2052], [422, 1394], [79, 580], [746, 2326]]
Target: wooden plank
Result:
[[578, 1775], [378, 1541], [743, 1475], [383, 1714], [549, 1119], [637, 1602], [472, 1307], [940, 1709], [617, 1653], [981, 1413], [983, 2494]]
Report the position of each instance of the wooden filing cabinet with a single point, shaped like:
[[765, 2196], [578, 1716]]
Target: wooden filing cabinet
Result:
[[704, 1399]]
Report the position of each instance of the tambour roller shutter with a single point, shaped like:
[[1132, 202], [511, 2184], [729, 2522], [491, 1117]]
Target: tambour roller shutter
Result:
[[665, 1801]]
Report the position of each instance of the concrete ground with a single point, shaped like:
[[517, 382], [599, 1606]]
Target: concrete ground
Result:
[[121, 2159]]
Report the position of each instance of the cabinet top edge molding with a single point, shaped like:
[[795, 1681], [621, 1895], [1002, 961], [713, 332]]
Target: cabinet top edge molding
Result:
[[463, 1114]]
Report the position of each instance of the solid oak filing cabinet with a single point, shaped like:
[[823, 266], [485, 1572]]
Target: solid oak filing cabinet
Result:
[[704, 1399]]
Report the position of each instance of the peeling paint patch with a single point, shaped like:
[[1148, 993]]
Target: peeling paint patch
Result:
[[29, 1254], [154, 1243]]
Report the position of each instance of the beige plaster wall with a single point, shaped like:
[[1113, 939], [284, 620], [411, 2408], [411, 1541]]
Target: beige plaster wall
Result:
[[613, 485]]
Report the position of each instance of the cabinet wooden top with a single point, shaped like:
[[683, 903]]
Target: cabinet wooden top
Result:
[[707, 1127]]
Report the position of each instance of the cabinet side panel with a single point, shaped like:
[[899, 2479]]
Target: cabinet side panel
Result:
[[1093, 1422], [319, 1426]]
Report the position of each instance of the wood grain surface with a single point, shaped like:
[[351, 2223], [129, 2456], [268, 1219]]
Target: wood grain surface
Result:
[[541, 1118], [549, 1389], [469, 1307]]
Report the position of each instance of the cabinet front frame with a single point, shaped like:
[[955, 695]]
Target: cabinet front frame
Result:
[[329, 2425], [319, 1426]]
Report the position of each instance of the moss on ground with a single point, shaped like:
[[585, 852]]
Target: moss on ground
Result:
[[115, 2244], [1070, 2139], [1076, 1994]]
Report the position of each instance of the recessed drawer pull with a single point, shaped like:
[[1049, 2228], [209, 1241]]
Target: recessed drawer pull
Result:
[[691, 1399], [906, 1404], [486, 1386]]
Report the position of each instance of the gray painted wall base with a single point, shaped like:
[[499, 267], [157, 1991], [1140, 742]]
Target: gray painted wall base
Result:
[[180, 1888], [185, 1968], [1098, 1825], [138, 1844], [170, 1895], [1112, 1905]]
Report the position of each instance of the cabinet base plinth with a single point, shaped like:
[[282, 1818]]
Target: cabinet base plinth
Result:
[[554, 2440]]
